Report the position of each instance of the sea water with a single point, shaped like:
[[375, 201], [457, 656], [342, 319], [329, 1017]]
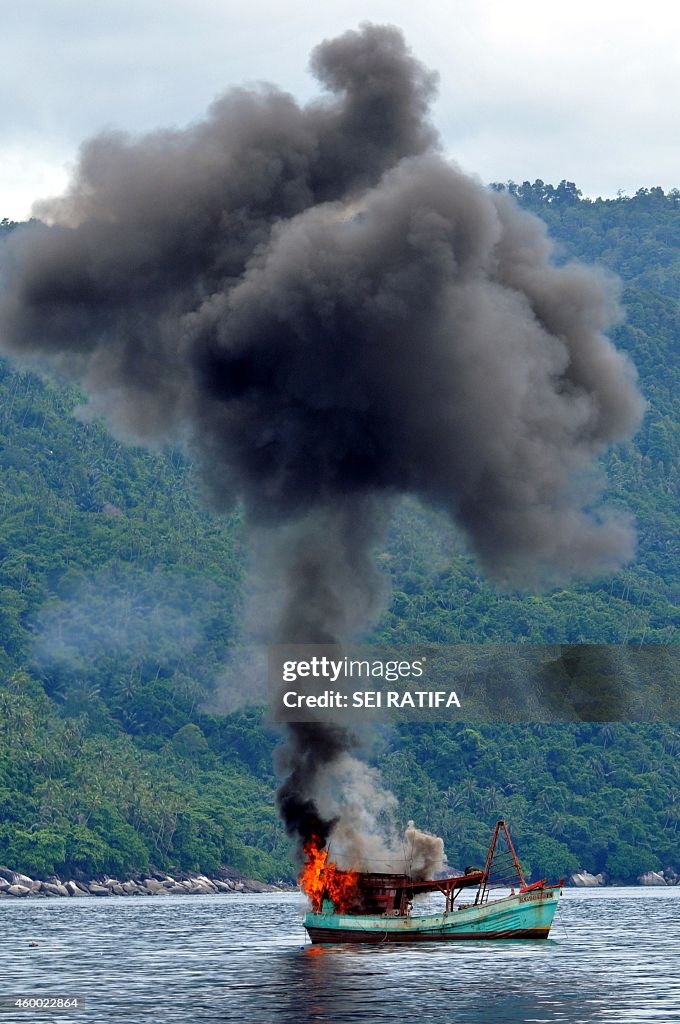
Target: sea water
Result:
[[613, 956]]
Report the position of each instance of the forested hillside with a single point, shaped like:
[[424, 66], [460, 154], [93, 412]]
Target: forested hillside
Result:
[[120, 600]]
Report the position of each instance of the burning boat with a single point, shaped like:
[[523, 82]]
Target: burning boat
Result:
[[361, 906]]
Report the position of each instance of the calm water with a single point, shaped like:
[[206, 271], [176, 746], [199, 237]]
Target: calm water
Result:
[[614, 956]]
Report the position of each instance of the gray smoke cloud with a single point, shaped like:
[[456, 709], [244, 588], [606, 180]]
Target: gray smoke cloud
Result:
[[353, 796], [329, 314]]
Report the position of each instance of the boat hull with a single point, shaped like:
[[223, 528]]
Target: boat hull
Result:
[[521, 916]]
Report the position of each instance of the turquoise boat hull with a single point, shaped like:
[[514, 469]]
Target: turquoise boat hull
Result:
[[520, 916]]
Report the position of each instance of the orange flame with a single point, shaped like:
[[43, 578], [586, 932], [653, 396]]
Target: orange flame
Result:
[[323, 880]]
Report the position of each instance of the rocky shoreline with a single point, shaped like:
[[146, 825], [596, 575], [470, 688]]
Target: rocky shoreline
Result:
[[584, 879], [15, 885]]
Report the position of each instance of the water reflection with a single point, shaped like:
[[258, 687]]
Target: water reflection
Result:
[[245, 958]]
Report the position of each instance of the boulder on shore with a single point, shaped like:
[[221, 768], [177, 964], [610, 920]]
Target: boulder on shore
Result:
[[98, 890], [153, 885], [55, 889], [74, 889], [585, 879], [199, 888], [18, 890], [652, 878], [252, 886], [205, 881]]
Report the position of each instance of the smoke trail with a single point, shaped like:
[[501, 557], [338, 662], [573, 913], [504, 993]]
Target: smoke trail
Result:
[[353, 798], [328, 314]]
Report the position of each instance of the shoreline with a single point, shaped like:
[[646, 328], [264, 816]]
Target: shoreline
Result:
[[16, 885]]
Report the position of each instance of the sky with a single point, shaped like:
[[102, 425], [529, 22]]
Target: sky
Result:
[[585, 90]]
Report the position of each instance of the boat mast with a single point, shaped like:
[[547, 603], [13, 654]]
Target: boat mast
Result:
[[498, 867]]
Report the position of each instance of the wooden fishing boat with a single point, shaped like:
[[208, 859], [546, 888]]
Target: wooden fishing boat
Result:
[[351, 906]]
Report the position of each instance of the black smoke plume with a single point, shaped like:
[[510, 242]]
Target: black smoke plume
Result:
[[329, 314]]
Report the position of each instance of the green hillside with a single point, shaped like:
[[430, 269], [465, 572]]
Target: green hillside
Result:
[[120, 599]]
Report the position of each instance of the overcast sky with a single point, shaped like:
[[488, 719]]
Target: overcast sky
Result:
[[586, 90]]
